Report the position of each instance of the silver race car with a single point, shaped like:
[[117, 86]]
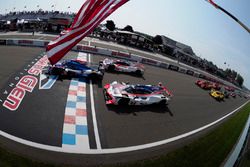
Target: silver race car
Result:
[[123, 66], [117, 93]]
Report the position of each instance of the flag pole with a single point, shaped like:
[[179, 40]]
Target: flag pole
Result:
[[229, 14]]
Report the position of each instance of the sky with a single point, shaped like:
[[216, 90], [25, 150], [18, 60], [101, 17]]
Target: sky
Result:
[[212, 34]]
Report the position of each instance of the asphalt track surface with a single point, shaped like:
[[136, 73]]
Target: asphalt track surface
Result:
[[112, 46], [40, 116]]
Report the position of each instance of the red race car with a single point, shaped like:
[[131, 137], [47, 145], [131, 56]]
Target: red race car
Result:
[[208, 85]]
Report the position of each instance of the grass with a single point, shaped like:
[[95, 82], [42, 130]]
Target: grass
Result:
[[8, 159], [208, 151]]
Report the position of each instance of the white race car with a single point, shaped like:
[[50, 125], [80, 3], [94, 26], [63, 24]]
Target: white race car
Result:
[[117, 93], [123, 66]]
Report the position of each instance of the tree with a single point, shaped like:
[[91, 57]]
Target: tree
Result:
[[128, 28], [239, 80], [157, 39], [110, 25], [234, 74]]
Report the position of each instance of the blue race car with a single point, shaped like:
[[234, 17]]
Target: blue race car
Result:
[[76, 68]]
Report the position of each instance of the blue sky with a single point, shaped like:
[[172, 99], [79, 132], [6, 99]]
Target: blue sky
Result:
[[211, 33]]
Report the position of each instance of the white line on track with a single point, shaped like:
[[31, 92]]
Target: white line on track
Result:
[[121, 149], [92, 101]]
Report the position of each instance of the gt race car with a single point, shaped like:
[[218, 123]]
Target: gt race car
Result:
[[117, 93], [123, 66], [207, 85], [217, 94], [76, 68]]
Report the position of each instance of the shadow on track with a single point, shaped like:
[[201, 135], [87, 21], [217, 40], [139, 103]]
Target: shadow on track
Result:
[[86, 80], [126, 73], [162, 109]]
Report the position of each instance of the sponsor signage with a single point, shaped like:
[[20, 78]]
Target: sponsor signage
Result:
[[202, 76], [2, 42], [173, 67], [189, 72], [164, 65], [182, 70], [120, 54], [149, 61], [86, 48], [25, 42]]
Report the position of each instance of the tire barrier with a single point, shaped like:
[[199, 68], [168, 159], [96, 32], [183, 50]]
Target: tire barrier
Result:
[[182, 70], [202, 76], [189, 72], [173, 67]]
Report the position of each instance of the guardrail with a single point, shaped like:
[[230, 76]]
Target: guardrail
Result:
[[111, 53], [236, 153]]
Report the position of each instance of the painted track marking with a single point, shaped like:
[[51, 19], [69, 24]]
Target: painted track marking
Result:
[[121, 149], [75, 129], [92, 101]]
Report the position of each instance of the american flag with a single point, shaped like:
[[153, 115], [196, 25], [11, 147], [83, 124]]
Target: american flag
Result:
[[91, 14]]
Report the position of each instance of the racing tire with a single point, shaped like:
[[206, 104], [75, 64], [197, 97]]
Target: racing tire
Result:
[[111, 68], [163, 103], [71, 74], [123, 101], [56, 71], [138, 73], [95, 77]]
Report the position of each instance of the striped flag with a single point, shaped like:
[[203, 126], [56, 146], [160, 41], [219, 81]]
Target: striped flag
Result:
[[229, 14], [214, 4], [91, 14]]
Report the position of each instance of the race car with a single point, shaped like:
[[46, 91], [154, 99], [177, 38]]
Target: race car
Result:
[[225, 92], [217, 94], [117, 93], [233, 94], [207, 85], [123, 66], [76, 68]]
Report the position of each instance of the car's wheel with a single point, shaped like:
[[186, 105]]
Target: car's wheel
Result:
[[71, 74], [138, 73], [111, 68], [95, 77], [56, 71], [163, 103], [123, 101]]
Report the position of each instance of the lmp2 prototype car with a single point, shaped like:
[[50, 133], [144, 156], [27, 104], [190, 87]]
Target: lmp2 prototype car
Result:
[[117, 93], [217, 94], [123, 66], [207, 85], [76, 68]]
